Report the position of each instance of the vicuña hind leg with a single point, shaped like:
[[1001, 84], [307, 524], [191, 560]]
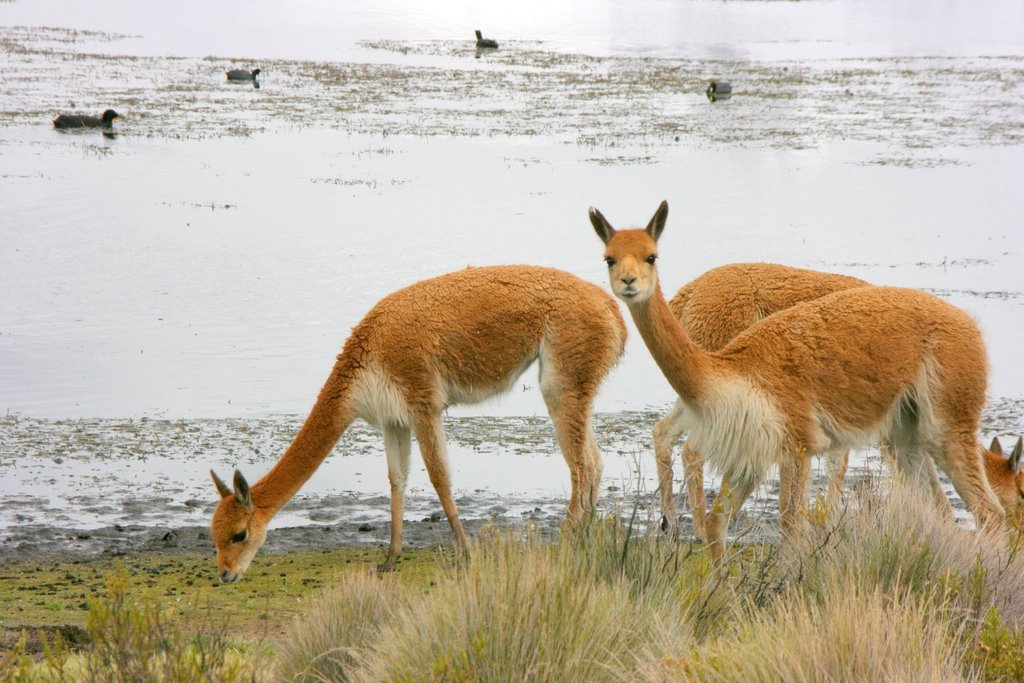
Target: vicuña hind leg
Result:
[[835, 467], [911, 460], [430, 435], [570, 412], [793, 476], [596, 469], [396, 448]]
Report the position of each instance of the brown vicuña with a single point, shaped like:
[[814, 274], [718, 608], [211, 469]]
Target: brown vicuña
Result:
[[463, 337], [824, 375], [713, 308], [719, 304]]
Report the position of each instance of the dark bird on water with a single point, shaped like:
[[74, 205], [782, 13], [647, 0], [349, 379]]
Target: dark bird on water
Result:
[[243, 75], [718, 90], [80, 121], [485, 42]]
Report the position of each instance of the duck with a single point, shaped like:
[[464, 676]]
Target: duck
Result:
[[482, 42], [243, 74], [105, 120], [718, 90]]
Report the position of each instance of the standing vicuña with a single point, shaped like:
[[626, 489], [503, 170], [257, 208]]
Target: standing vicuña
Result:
[[829, 374], [458, 338], [713, 308]]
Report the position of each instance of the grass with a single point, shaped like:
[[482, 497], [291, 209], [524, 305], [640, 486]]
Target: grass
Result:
[[884, 589], [46, 597]]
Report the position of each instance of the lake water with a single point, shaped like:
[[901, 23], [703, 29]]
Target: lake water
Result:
[[208, 260]]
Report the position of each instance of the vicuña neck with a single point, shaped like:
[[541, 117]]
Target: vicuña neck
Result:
[[330, 417], [685, 365]]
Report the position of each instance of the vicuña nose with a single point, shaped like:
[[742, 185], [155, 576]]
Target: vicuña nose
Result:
[[628, 280], [224, 575]]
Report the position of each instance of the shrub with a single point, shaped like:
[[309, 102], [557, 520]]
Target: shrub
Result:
[[135, 640], [900, 543], [588, 607], [329, 640], [850, 636]]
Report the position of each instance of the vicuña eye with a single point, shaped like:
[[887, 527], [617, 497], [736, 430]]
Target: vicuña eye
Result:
[[240, 536], [610, 261], [652, 258]]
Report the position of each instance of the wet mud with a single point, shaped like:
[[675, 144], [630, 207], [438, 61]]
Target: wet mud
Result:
[[116, 487]]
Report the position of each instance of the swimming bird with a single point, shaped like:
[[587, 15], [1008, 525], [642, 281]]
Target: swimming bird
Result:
[[106, 120], [485, 42], [243, 75], [718, 90]]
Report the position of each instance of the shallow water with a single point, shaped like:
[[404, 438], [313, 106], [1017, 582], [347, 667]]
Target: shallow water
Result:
[[208, 260]]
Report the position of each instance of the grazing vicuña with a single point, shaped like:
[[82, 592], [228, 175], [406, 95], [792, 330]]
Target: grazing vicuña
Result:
[[463, 337]]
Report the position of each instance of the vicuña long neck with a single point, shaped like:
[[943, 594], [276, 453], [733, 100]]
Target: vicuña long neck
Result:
[[330, 417], [686, 366]]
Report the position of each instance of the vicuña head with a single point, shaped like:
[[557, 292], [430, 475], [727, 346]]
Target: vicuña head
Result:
[[463, 337], [1006, 475], [238, 530], [632, 258]]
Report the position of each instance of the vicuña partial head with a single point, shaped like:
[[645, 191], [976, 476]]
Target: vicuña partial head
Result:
[[1006, 475], [238, 529], [631, 255]]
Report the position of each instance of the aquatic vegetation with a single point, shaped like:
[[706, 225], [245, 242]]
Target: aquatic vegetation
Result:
[[912, 105]]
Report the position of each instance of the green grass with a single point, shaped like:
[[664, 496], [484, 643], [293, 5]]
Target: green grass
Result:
[[41, 596]]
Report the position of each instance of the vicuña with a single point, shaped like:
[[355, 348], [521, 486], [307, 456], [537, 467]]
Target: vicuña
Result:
[[459, 338], [825, 375], [713, 308]]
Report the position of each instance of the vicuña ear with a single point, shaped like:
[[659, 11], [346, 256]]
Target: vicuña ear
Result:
[[222, 488], [601, 225], [657, 223], [995, 446], [242, 494], [1015, 455]]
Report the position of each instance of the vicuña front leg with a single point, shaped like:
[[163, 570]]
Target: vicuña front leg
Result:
[[665, 435], [961, 461], [728, 502], [430, 435], [693, 470], [397, 448]]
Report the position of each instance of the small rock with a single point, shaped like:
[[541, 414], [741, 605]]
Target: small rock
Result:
[[364, 527], [119, 527]]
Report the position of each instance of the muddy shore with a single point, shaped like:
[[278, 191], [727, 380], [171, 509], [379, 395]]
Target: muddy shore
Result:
[[109, 488]]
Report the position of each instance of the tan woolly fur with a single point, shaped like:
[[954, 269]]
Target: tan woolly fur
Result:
[[713, 308], [457, 338], [834, 373]]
